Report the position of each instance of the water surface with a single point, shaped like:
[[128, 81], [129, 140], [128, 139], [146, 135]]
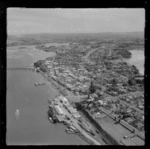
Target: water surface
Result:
[[31, 126], [137, 59]]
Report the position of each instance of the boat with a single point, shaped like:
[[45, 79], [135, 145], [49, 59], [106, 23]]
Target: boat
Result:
[[69, 131], [36, 84], [65, 123], [50, 119], [39, 84], [43, 83], [17, 113]]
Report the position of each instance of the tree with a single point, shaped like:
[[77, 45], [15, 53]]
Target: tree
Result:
[[39, 63], [131, 82], [92, 89], [43, 68], [114, 82]]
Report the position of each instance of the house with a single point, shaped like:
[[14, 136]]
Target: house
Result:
[[101, 102], [47, 62], [128, 119], [49, 66], [141, 107]]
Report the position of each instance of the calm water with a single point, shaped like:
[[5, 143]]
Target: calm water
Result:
[[137, 59], [31, 126]]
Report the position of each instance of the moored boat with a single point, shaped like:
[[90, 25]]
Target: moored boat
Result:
[[17, 114], [69, 131], [35, 84], [50, 119]]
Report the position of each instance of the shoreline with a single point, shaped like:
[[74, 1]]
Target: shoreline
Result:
[[79, 134], [137, 60], [106, 136], [76, 131]]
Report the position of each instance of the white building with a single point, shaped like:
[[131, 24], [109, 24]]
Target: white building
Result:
[[76, 115], [47, 62], [58, 110], [49, 66], [64, 100]]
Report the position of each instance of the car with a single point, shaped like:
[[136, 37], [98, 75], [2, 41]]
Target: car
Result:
[[125, 137]]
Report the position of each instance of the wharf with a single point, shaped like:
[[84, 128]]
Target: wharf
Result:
[[71, 121]]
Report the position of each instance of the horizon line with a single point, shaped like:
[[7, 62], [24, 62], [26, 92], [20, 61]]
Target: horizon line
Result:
[[73, 33]]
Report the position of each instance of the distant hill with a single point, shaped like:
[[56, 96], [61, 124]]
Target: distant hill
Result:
[[40, 38]]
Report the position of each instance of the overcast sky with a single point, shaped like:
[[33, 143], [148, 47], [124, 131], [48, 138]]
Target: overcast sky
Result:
[[25, 20]]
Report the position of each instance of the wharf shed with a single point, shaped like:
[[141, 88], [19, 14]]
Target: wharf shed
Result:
[[76, 115], [58, 110], [64, 100]]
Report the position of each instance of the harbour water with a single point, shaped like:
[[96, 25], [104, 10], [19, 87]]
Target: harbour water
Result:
[[137, 59], [27, 105]]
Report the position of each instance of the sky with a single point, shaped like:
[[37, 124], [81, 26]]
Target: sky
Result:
[[57, 20]]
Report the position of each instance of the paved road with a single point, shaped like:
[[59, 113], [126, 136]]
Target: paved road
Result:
[[86, 58]]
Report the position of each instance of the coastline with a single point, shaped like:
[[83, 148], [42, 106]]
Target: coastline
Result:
[[137, 59], [79, 134], [58, 87]]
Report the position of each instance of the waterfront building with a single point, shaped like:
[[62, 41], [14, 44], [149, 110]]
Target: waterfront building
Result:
[[58, 110], [64, 100]]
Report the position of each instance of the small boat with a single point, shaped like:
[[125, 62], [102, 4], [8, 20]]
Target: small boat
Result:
[[39, 84], [35, 84], [69, 131], [17, 113], [50, 119]]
